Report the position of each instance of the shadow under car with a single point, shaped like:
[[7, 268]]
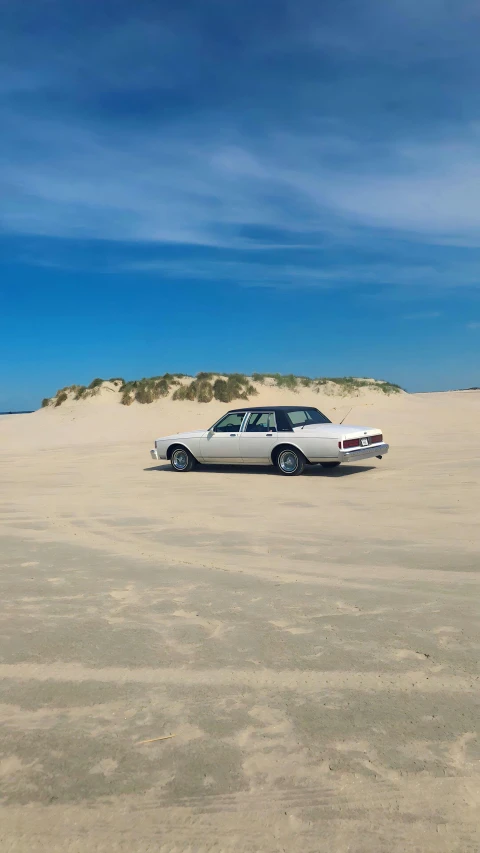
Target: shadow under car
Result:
[[344, 470]]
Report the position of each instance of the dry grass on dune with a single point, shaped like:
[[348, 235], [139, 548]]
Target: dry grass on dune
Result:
[[224, 388]]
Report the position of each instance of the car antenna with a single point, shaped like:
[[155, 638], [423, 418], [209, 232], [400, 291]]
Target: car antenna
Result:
[[346, 415]]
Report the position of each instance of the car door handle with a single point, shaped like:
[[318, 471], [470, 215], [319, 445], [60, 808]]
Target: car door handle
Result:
[[233, 434], [269, 434]]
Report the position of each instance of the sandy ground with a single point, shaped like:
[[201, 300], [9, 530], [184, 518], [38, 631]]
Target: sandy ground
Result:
[[312, 643]]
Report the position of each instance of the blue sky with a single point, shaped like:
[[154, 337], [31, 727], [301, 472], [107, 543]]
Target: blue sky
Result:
[[231, 185]]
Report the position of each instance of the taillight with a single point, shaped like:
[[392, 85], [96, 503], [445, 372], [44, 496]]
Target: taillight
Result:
[[351, 442], [357, 442]]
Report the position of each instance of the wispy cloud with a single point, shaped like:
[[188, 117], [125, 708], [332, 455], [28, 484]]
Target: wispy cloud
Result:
[[267, 266], [430, 189], [249, 272], [473, 325], [201, 192], [169, 133], [423, 315]]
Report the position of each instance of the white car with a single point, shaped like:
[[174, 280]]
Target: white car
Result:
[[289, 437]]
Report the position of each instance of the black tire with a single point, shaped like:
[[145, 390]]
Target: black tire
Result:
[[330, 464], [290, 458], [182, 460]]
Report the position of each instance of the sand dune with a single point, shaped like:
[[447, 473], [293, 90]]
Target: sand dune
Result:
[[102, 417], [312, 643]]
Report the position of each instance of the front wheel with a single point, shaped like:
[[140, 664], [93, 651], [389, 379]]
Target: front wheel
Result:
[[182, 460], [291, 462], [330, 464]]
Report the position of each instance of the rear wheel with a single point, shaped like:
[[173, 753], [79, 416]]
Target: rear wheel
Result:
[[182, 460], [330, 464], [290, 462]]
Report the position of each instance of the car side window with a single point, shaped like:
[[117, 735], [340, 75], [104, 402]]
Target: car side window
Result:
[[260, 422], [230, 423], [298, 418]]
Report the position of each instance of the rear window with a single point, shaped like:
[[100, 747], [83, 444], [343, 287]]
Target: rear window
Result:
[[304, 417]]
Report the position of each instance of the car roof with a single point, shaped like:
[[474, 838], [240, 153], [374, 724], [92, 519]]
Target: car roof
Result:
[[270, 409]]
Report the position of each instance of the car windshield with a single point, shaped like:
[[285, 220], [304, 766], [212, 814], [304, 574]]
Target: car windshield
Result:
[[305, 417]]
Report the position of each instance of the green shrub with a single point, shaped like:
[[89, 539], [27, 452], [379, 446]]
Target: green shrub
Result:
[[205, 391], [258, 377], [389, 387], [95, 383], [221, 391], [149, 390], [346, 384], [236, 386], [349, 385], [61, 397], [144, 394], [238, 383], [117, 379], [80, 392], [163, 387], [127, 398], [45, 402], [201, 376], [145, 390], [289, 381], [186, 392], [129, 386], [179, 394], [191, 391], [169, 377]]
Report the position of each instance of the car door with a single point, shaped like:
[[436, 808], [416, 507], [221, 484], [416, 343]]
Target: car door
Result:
[[309, 435], [221, 443], [258, 437]]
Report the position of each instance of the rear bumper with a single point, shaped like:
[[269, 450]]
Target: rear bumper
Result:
[[363, 452], [154, 454]]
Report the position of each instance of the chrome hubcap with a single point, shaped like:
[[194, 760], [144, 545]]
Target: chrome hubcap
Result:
[[180, 459], [288, 461]]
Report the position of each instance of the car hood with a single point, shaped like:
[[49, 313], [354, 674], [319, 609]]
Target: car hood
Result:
[[192, 434], [336, 430]]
